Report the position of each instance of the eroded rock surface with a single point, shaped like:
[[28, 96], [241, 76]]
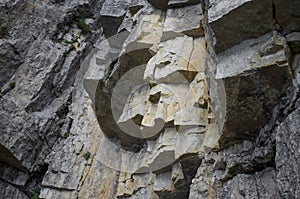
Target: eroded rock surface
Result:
[[149, 99]]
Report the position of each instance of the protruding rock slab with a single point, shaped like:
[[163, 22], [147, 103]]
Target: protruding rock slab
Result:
[[255, 73], [182, 54], [187, 20], [113, 12], [287, 15], [269, 50], [147, 32], [293, 40], [238, 20]]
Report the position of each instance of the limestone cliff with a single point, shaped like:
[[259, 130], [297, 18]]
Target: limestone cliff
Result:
[[149, 99]]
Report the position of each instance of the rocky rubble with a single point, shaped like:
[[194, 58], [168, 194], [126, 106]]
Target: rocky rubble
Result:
[[149, 99]]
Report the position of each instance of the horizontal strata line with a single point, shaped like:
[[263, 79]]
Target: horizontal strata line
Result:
[[57, 188]]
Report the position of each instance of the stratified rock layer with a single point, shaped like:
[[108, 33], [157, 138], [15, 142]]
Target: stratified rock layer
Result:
[[149, 99]]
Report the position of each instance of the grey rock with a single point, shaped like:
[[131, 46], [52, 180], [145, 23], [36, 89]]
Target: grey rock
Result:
[[14, 41], [296, 69], [248, 70], [287, 15], [236, 21], [13, 176], [60, 62], [288, 158], [268, 50], [35, 102], [146, 193], [114, 11], [293, 40], [185, 20], [9, 191], [147, 31], [10, 61], [259, 185]]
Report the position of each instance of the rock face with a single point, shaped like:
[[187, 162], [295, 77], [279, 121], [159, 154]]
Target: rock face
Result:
[[236, 21], [287, 134], [149, 99]]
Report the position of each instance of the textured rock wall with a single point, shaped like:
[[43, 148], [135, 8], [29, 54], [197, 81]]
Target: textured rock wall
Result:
[[149, 99], [42, 45]]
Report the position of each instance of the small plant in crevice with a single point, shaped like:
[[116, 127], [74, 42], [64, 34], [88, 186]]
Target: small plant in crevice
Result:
[[87, 155], [66, 135], [12, 85], [73, 43], [36, 194], [71, 34], [57, 40], [6, 89], [74, 46], [81, 23]]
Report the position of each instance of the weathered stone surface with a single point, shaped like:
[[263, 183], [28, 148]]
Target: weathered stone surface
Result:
[[146, 33], [9, 191], [64, 129], [236, 21], [288, 158], [70, 173], [164, 150], [287, 15], [259, 185], [296, 69], [293, 40], [185, 20], [255, 66], [146, 193], [113, 13], [271, 49], [129, 184], [60, 174], [13, 176], [35, 101], [9, 57], [14, 39], [226, 174], [174, 56]]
